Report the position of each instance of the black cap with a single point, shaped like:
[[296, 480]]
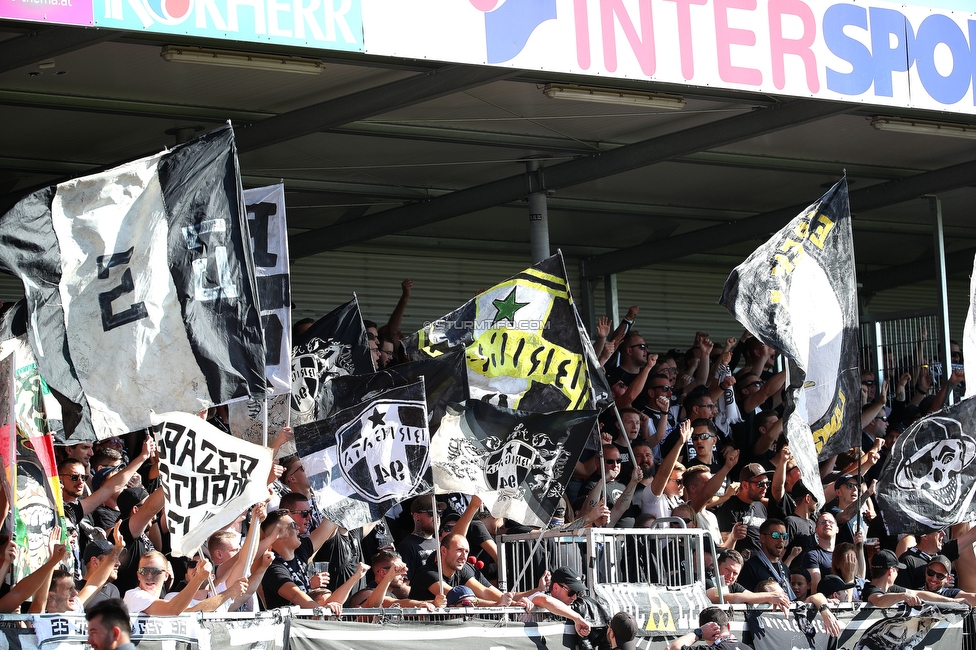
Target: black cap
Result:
[[129, 498], [885, 559], [844, 478], [831, 583], [943, 560], [569, 577], [423, 503], [99, 476], [95, 549], [624, 629]]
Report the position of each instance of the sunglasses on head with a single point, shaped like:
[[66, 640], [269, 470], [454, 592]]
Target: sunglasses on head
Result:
[[150, 571], [778, 535], [304, 513], [935, 574]]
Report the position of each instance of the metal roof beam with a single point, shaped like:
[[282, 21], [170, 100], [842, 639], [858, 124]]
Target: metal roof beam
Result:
[[44, 44], [366, 103], [735, 232], [912, 272], [567, 174]]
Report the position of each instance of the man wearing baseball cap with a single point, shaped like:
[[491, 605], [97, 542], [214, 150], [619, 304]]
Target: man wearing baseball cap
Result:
[[741, 516], [622, 632], [882, 590], [937, 574]]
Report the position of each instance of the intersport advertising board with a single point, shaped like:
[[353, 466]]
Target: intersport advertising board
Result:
[[871, 52]]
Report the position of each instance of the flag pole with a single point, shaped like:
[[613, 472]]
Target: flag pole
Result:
[[528, 561], [437, 536], [264, 422]]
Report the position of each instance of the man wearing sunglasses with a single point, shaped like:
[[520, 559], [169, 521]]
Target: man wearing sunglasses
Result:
[[768, 562], [633, 358], [932, 544], [286, 581], [937, 575], [420, 544], [741, 516]]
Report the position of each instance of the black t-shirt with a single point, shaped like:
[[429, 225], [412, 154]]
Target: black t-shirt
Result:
[[802, 532], [135, 548], [752, 515], [281, 572], [426, 577], [917, 561], [415, 550], [105, 517], [870, 589], [343, 553]]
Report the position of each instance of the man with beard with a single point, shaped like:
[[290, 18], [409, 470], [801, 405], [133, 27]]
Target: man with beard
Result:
[[768, 562], [741, 516], [420, 544], [662, 492], [937, 574]]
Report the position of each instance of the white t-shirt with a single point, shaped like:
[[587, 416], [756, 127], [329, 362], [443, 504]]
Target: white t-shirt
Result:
[[137, 600]]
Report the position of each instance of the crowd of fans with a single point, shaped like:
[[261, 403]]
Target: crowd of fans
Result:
[[699, 440]]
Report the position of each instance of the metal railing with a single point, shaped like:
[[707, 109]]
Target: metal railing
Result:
[[668, 557]]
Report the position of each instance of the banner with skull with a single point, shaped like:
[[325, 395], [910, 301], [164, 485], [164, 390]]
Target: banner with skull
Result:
[[518, 462], [929, 480], [798, 294], [334, 346], [363, 460]]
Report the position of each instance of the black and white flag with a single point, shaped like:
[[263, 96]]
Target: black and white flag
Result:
[[208, 476], [269, 243], [247, 420], [929, 480], [334, 346], [445, 382], [798, 294], [363, 460], [526, 344], [140, 286], [519, 463]]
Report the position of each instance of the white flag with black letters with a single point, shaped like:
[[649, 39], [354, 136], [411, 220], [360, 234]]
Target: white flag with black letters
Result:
[[209, 477], [269, 243], [140, 286]]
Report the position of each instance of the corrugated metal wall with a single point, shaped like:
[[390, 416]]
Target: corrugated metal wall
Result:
[[675, 301]]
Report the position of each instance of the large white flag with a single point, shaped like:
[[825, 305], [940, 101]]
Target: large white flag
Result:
[[209, 477], [798, 294], [269, 244], [140, 286]]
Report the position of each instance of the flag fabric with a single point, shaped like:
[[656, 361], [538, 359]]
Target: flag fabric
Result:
[[334, 346], [519, 463], [929, 480], [269, 245], [8, 426], [969, 332], [246, 420], [445, 381], [208, 476], [798, 294], [363, 460], [526, 344], [140, 286]]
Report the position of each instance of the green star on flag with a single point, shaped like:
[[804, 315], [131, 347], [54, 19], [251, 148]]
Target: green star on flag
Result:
[[507, 308]]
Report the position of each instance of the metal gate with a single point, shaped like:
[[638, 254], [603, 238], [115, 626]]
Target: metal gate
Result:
[[893, 344]]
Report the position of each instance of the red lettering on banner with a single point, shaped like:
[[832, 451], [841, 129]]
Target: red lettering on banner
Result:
[[779, 46], [684, 36], [726, 37], [582, 34], [643, 49]]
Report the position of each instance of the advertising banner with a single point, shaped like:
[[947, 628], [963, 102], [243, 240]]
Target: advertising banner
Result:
[[872, 52]]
